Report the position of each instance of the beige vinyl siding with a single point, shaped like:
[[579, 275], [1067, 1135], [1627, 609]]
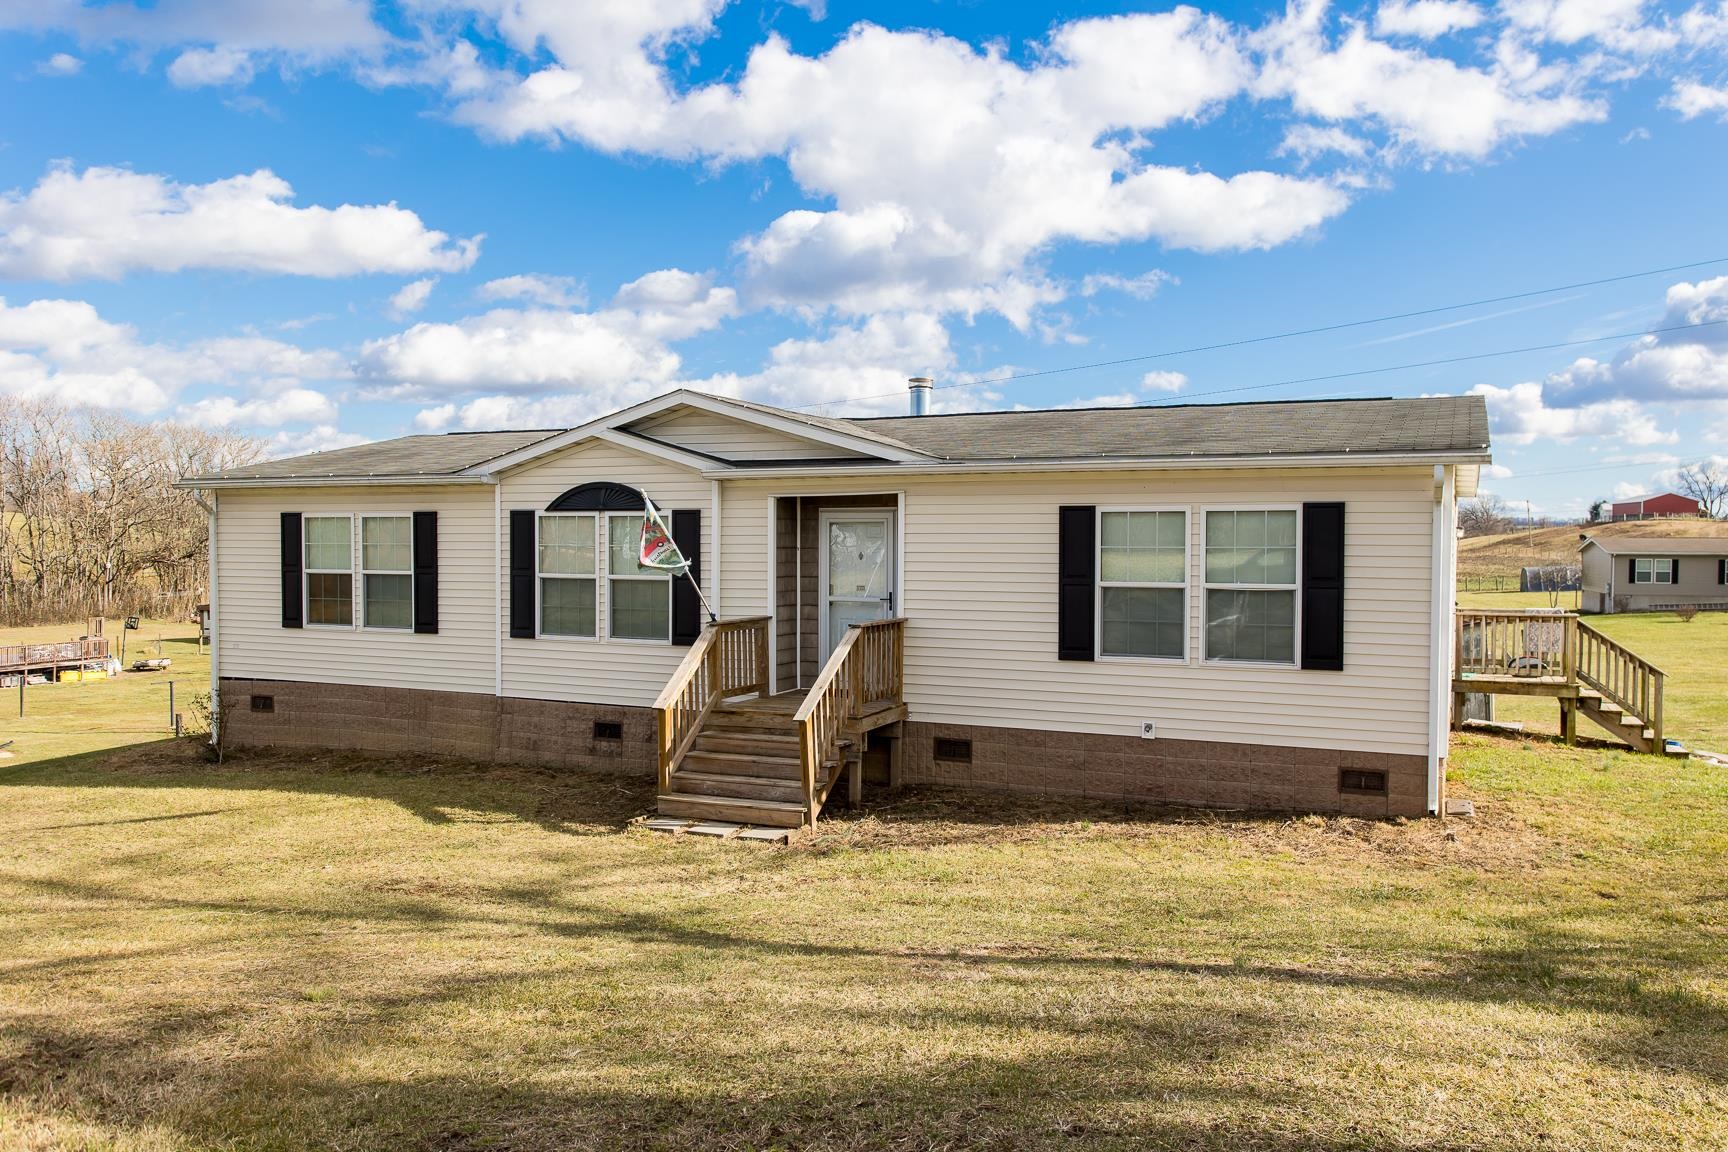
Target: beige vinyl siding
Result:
[[979, 575], [459, 658], [595, 671], [732, 439]]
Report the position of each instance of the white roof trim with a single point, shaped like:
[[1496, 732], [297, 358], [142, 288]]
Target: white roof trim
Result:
[[440, 479], [1108, 464], [717, 405]]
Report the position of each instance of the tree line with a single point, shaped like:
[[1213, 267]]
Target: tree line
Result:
[[90, 521]]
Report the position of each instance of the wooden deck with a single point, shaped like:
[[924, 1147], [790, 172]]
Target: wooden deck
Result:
[[1558, 655]]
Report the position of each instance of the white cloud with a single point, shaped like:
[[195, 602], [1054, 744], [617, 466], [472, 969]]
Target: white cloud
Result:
[[1496, 471], [64, 350], [412, 297], [1692, 100], [287, 406], [105, 222], [1520, 415], [1141, 287], [60, 64], [1621, 24], [1309, 142], [1687, 365], [207, 67], [323, 438], [616, 351], [548, 291], [1171, 382], [435, 419], [1426, 19]]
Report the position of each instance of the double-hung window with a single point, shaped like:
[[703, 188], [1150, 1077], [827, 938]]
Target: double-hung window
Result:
[[639, 599], [1648, 571], [1143, 584], [387, 572], [568, 583], [329, 554], [1250, 571]]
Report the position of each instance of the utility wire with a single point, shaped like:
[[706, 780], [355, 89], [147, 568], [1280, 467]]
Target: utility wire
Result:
[[1433, 363], [1339, 327]]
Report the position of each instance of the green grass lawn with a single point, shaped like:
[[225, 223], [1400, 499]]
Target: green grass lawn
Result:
[[324, 951], [1693, 655]]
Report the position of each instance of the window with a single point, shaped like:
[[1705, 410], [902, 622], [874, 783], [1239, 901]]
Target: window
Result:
[[330, 571], [387, 571], [1251, 586], [567, 581], [640, 599], [1652, 571], [1143, 584]]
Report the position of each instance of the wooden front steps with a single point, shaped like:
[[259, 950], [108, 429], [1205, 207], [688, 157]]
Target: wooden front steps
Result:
[[744, 766], [1615, 719]]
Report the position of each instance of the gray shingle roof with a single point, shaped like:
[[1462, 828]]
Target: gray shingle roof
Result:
[[1662, 545], [1286, 428], [407, 456], [1441, 424]]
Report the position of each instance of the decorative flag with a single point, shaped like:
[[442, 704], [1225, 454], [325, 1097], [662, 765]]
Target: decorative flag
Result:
[[658, 551]]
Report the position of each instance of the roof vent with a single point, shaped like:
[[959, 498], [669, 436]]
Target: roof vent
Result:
[[920, 386]]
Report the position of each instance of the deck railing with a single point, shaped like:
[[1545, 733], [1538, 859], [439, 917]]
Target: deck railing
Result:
[[729, 658], [89, 650], [1622, 676], [866, 669], [1537, 645]]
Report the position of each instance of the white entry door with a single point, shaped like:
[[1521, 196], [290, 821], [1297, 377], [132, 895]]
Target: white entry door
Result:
[[857, 570]]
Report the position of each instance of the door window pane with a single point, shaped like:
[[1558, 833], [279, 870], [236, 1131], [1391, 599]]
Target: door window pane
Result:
[[1143, 622], [330, 598], [567, 605], [858, 559], [641, 609]]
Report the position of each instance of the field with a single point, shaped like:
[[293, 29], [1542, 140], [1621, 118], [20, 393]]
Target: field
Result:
[[329, 951], [1489, 557]]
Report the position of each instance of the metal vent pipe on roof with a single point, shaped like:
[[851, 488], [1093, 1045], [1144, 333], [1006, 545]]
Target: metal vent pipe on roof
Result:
[[920, 386]]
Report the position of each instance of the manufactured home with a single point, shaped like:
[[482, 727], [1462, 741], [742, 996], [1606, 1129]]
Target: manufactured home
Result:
[[1242, 605], [1654, 573]]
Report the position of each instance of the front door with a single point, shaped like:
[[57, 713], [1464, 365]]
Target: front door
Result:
[[857, 570]]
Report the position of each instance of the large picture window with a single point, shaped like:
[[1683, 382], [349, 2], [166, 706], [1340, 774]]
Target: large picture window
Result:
[[329, 571], [387, 571], [566, 570], [1653, 571], [639, 599], [1250, 577], [1143, 584]]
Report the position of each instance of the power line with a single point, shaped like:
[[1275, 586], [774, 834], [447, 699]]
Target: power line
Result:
[[1321, 330], [1434, 363]]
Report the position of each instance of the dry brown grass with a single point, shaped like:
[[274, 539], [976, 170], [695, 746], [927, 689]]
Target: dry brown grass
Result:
[[346, 953], [1503, 555]]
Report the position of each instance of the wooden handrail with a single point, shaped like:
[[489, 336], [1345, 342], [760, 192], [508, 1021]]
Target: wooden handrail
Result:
[[867, 667], [729, 658], [1622, 676], [91, 648]]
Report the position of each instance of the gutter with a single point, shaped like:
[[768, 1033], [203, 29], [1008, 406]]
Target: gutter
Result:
[[218, 482], [1116, 464]]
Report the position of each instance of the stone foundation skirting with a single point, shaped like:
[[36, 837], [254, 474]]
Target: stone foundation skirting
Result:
[[1203, 773]]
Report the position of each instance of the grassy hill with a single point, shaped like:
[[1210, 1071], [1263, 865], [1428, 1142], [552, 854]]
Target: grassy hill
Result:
[[1503, 555]]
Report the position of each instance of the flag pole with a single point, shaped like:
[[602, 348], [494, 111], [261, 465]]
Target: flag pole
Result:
[[654, 512]]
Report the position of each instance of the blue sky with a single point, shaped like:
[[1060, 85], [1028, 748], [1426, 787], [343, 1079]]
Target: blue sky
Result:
[[332, 221]]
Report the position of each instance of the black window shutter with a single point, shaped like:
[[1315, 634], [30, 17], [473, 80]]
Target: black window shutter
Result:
[[686, 608], [1632, 571], [426, 572], [1674, 571], [1722, 571], [1323, 587], [522, 574], [1076, 578], [293, 568]]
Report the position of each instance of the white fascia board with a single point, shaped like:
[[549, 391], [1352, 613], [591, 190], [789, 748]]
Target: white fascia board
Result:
[[439, 481], [631, 442], [1105, 464]]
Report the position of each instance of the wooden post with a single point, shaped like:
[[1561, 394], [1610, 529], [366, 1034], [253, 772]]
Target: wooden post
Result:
[[855, 776], [759, 631], [1569, 652], [1568, 720], [1457, 711], [895, 757]]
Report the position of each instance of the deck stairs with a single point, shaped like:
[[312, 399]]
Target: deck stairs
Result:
[[744, 766], [1618, 720]]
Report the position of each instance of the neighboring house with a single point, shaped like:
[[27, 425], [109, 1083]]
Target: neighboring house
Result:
[[1241, 605], [1653, 573], [1664, 506]]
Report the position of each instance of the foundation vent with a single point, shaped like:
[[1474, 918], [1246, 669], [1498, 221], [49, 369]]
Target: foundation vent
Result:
[[263, 703], [608, 730], [948, 748], [1360, 782]]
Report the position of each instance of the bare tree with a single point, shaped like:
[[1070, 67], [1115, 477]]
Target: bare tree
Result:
[[1486, 515], [1706, 482]]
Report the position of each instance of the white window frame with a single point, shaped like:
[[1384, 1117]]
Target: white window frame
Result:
[[1651, 573], [609, 576], [359, 558], [1295, 589], [1186, 585], [307, 572], [597, 577]]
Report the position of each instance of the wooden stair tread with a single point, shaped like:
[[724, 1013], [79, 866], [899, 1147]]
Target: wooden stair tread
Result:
[[770, 813], [730, 786]]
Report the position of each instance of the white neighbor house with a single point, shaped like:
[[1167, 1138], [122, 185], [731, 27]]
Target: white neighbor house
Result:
[[1245, 605]]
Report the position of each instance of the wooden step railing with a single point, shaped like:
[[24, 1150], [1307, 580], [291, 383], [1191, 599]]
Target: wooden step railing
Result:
[[1622, 676], [89, 650], [729, 658], [866, 670]]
